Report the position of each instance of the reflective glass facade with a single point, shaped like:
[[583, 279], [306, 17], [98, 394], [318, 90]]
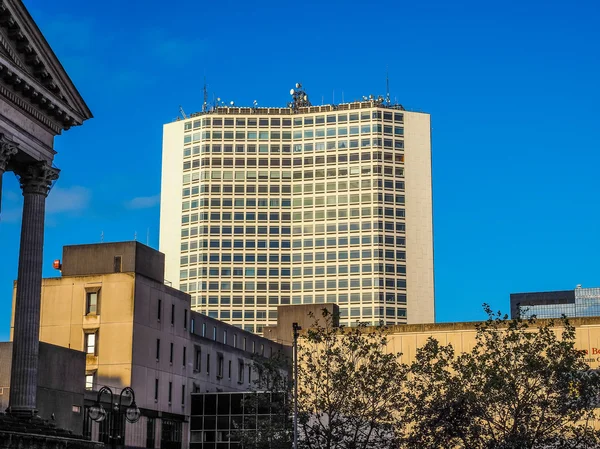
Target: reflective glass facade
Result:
[[586, 304]]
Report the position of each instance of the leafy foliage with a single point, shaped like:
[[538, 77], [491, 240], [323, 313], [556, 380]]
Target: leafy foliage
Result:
[[523, 385], [348, 388]]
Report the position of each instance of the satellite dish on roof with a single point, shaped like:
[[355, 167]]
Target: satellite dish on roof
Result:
[[297, 85], [292, 91]]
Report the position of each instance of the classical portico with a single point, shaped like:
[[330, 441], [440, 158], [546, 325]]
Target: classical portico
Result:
[[37, 102]]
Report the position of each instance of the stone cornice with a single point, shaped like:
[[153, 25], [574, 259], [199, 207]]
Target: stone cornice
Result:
[[33, 61], [37, 178]]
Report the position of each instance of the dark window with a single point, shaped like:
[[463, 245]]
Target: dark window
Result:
[[198, 360], [185, 318], [118, 264], [158, 349], [208, 364], [91, 303], [171, 432], [156, 389], [171, 354], [170, 391], [172, 314], [159, 311], [183, 395], [150, 432], [184, 356]]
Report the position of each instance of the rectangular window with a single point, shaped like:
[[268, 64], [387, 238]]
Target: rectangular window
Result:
[[185, 318], [159, 310], [170, 391], [198, 360], [91, 303], [240, 371], [229, 370], [90, 381], [158, 349], [234, 340], [184, 357], [224, 337], [156, 389], [118, 265], [183, 395], [215, 333], [150, 432], [172, 314], [204, 329], [220, 363], [90, 344], [171, 354], [208, 364]]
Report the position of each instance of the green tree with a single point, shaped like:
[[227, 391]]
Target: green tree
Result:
[[270, 401], [348, 387], [523, 385]]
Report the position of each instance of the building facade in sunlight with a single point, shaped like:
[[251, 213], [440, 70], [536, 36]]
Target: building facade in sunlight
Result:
[[263, 207], [111, 303]]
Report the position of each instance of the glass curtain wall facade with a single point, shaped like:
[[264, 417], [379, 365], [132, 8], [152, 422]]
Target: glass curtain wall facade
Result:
[[280, 208]]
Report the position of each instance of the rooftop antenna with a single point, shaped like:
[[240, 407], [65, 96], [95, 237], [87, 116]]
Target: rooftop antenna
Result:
[[102, 237], [182, 112], [205, 91], [135, 236], [299, 98], [387, 85], [342, 96]]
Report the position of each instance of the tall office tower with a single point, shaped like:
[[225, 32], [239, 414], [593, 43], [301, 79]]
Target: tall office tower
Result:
[[305, 204]]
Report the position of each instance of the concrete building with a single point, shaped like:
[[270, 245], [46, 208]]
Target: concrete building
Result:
[[37, 102], [263, 207], [580, 302], [112, 303], [60, 387]]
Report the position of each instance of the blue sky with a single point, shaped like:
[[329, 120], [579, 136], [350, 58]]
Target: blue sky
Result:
[[512, 88]]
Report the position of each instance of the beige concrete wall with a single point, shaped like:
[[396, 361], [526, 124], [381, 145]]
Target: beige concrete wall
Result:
[[170, 199], [419, 222], [63, 321], [462, 336]]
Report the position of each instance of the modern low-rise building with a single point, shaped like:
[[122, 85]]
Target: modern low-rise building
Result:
[[112, 303], [263, 207], [580, 302]]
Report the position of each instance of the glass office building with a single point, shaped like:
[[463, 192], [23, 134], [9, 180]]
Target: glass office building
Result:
[[263, 207], [581, 302]]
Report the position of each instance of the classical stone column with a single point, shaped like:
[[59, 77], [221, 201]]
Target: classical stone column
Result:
[[35, 180], [7, 150]]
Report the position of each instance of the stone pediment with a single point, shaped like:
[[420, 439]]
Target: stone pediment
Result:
[[31, 75]]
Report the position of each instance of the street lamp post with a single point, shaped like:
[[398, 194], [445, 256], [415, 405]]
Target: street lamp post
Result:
[[98, 414], [297, 330]]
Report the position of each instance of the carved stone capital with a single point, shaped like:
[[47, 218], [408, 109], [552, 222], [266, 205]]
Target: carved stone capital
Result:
[[37, 178], [7, 150]]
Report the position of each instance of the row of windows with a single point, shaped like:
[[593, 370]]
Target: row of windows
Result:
[[307, 133], [365, 211], [341, 269], [297, 121], [319, 284], [297, 161], [330, 242], [307, 187], [319, 256], [364, 297], [276, 148], [285, 230], [275, 202], [277, 175]]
